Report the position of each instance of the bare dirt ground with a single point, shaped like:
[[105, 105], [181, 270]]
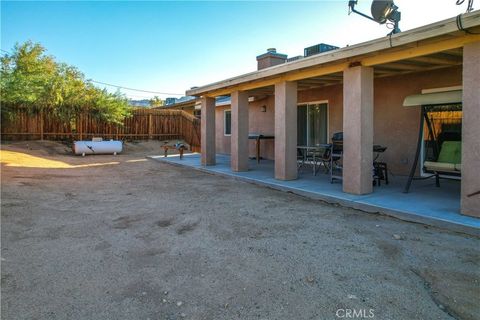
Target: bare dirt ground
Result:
[[124, 237]]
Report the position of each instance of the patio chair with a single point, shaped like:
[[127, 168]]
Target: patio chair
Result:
[[314, 157], [325, 159], [308, 157], [300, 159]]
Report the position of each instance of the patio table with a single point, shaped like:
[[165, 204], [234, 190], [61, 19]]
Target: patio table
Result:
[[316, 150], [257, 138]]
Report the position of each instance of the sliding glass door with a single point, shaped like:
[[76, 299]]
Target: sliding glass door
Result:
[[312, 124]]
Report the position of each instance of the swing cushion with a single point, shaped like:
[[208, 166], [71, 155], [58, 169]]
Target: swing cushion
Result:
[[451, 152], [439, 166], [449, 159]]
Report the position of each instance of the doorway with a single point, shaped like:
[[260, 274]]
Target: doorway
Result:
[[312, 124]]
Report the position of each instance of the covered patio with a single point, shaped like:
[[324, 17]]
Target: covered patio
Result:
[[363, 87], [427, 204]]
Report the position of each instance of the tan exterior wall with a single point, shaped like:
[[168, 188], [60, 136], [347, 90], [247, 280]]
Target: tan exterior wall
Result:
[[222, 142], [395, 126], [259, 122], [263, 123]]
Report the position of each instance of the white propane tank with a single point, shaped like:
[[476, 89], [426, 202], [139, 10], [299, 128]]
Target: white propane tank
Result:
[[97, 147]]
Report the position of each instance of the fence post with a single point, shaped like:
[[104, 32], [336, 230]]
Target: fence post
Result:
[[180, 128], [41, 125], [80, 127], [150, 126]]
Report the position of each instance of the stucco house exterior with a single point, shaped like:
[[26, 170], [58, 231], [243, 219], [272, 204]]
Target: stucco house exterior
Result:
[[358, 90]]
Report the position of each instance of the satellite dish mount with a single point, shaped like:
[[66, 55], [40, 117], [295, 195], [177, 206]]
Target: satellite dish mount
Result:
[[383, 11]]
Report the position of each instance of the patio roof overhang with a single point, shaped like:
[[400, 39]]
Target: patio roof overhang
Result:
[[433, 46]]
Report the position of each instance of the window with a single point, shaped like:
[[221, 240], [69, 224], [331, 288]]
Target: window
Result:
[[312, 121], [197, 113], [227, 123]]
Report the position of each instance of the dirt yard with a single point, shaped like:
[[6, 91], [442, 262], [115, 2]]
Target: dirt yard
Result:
[[125, 237]]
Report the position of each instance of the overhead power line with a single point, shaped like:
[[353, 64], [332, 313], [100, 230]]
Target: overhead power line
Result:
[[126, 88], [140, 90], [138, 96]]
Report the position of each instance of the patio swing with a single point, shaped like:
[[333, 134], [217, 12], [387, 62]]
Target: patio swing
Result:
[[444, 141]]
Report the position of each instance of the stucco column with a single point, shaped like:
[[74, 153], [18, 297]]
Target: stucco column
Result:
[[357, 130], [239, 137], [470, 197], [286, 130], [208, 131]]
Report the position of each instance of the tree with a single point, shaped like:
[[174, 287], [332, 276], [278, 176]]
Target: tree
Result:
[[156, 102], [33, 82], [26, 78]]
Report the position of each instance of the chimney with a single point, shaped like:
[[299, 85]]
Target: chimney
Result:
[[270, 58]]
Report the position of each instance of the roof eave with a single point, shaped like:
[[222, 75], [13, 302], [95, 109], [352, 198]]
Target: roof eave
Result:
[[426, 32]]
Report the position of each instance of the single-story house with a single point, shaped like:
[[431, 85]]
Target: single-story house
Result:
[[359, 90]]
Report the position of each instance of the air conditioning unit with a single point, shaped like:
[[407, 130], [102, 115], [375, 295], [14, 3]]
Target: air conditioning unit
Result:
[[318, 48]]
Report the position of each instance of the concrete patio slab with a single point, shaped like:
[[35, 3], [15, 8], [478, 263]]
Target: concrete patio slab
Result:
[[425, 203]]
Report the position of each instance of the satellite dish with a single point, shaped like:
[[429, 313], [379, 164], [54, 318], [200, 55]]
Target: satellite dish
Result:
[[382, 10]]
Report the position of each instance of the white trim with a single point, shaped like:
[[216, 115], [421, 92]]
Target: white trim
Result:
[[313, 102], [225, 122]]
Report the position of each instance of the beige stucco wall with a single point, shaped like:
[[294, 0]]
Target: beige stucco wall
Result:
[[222, 145], [394, 125], [259, 122]]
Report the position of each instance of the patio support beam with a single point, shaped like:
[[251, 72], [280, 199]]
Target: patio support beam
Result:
[[357, 130], [470, 189], [208, 131], [286, 130], [239, 137]]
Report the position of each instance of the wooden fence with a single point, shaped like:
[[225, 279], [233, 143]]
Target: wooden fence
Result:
[[141, 125]]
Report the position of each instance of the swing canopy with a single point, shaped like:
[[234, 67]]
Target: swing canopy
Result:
[[431, 99]]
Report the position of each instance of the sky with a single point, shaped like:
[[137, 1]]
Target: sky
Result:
[[172, 46]]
